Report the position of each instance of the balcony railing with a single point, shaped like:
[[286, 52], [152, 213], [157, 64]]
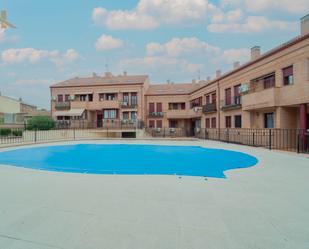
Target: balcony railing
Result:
[[63, 105], [127, 105], [155, 114], [234, 103], [209, 108]]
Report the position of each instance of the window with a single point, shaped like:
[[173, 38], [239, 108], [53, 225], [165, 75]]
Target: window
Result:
[[228, 122], [90, 97], [151, 124], [125, 98], [151, 107], [110, 96], [213, 123], [83, 97], [176, 106], [134, 99], [237, 96], [238, 121], [214, 98], [159, 123], [60, 98], [159, 107], [101, 96], [288, 77], [125, 115], [133, 115], [196, 102], [173, 124], [110, 114], [67, 98], [269, 120], [207, 123], [269, 81], [228, 96], [207, 99]]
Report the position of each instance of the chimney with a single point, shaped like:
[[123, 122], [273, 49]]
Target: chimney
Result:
[[108, 74], [236, 64], [125, 73], [208, 79], [255, 52], [304, 25], [194, 81], [94, 75], [218, 73]]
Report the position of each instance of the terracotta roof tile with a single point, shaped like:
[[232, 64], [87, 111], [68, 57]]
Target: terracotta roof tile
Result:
[[98, 80]]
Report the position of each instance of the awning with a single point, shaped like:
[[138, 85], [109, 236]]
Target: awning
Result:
[[71, 113]]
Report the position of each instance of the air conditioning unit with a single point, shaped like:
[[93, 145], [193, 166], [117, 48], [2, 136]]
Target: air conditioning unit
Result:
[[54, 98], [244, 88], [196, 109], [72, 97]]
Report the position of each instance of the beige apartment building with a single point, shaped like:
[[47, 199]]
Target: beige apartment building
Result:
[[95, 102], [269, 91]]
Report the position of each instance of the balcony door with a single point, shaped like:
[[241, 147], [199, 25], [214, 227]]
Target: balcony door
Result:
[[228, 96]]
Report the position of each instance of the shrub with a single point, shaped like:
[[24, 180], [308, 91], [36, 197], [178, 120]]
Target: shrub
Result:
[[17, 133], [4, 132], [40, 123]]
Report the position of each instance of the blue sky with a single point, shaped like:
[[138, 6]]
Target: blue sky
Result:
[[167, 39]]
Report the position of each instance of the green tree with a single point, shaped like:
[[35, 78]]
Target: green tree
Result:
[[40, 123]]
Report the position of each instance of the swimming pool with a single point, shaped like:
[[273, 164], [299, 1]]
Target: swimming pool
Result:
[[129, 159]]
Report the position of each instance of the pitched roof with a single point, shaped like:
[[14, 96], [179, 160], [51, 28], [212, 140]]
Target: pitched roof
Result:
[[174, 89], [105, 80], [269, 53]]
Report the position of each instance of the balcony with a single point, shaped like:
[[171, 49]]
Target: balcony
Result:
[[96, 105], [63, 105], [260, 99], [210, 108], [235, 103], [155, 114], [127, 105]]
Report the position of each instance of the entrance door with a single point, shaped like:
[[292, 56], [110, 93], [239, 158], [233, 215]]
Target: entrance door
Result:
[[99, 120]]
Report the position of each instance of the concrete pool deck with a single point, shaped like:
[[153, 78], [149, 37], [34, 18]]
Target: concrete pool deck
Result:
[[261, 207]]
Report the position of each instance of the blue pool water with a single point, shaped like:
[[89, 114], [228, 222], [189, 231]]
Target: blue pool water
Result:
[[129, 159]]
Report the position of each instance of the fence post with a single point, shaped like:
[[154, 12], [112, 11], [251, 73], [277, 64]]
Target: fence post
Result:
[[74, 135], [35, 134], [253, 138], [298, 143], [269, 139], [228, 135]]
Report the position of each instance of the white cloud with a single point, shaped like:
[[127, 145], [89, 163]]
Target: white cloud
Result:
[[149, 14], [177, 47], [251, 24], [294, 7], [107, 42], [31, 55], [184, 58]]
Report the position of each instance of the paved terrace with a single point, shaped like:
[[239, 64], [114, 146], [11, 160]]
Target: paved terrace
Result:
[[263, 207]]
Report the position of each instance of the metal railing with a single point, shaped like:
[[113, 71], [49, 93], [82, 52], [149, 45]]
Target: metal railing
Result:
[[234, 103], [62, 105], [155, 114], [280, 139], [295, 140], [211, 107]]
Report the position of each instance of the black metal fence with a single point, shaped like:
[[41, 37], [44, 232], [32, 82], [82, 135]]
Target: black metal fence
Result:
[[296, 140]]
